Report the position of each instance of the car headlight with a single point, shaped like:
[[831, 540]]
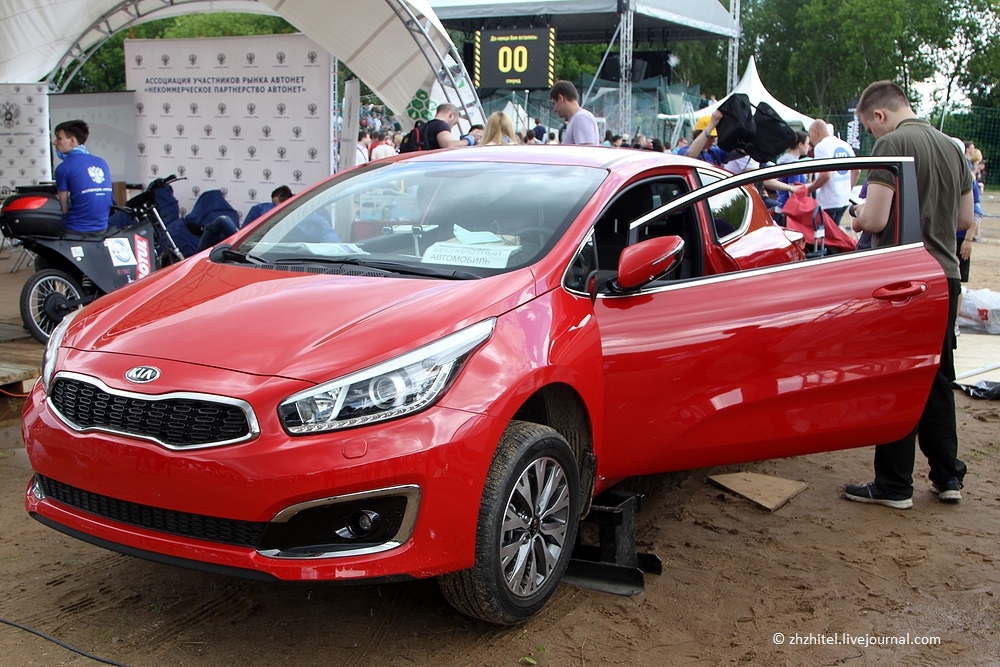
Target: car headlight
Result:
[[52, 348], [394, 388]]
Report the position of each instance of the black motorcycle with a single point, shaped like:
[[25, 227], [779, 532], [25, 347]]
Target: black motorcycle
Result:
[[72, 269]]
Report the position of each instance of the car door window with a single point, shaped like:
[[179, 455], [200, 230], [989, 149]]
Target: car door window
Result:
[[730, 211], [612, 229]]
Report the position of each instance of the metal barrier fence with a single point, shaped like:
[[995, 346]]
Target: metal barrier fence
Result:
[[978, 124]]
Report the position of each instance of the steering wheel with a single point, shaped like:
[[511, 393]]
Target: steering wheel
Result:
[[532, 239], [538, 235]]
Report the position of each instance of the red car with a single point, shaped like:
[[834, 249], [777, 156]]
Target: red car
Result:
[[429, 366]]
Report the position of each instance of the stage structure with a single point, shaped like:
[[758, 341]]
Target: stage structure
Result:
[[600, 21], [397, 47]]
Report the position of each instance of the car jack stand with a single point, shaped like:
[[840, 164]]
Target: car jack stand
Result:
[[614, 566]]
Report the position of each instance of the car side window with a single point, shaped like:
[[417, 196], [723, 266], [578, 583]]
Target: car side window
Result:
[[730, 212], [612, 230], [582, 266]]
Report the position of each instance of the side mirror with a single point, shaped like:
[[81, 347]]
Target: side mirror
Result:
[[642, 263]]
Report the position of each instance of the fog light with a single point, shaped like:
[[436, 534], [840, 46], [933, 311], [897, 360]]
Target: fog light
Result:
[[36, 488], [363, 523], [366, 522]]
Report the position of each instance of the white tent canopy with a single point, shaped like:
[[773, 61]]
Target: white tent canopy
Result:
[[751, 86], [397, 47]]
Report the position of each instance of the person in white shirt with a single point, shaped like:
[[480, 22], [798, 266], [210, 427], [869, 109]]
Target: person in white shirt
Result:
[[385, 147], [581, 126], [361, 150], [831, 188]]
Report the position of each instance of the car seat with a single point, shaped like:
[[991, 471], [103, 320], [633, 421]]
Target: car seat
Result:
[[611, 230]]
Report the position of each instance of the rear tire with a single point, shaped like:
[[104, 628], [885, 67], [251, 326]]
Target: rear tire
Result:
[[43, 300], [527, 528]]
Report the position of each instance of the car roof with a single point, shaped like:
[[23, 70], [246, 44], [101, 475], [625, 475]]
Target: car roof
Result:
[[580, 156]]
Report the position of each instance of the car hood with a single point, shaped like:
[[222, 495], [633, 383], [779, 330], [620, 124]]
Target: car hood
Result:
[[302, 326]]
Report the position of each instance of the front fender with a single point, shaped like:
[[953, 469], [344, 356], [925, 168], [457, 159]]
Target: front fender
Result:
[[552, 339]]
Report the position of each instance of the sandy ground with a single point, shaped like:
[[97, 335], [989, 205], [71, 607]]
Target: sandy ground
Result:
[[734, 575]]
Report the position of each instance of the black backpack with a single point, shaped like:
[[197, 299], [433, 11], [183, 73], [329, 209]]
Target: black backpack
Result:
[[737, 127], [415, 139], [773, 135]]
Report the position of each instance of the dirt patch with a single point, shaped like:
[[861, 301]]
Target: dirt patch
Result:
[[734, 575]]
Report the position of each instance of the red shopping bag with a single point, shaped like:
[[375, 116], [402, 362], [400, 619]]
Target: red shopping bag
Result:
[[804, 215]]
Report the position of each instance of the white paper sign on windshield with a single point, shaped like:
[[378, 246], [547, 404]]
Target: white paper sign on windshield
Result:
[[469, 237], [485, 256]]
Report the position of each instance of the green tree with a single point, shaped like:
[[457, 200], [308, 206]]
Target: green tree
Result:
[[976, 25], [105, 69], [227, 25], [703, 63], [978, 79], [817, 55], [574, 60]]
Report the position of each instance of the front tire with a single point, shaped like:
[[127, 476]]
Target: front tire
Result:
[[527, 527], [43, 301]]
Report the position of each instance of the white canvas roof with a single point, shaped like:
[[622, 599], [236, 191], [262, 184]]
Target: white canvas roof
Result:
[[372, 38], [754, 89]]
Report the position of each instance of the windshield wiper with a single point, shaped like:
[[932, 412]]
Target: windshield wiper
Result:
[[394, 267], [222, 253]]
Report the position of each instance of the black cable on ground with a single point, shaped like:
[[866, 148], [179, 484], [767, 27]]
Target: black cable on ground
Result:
[[63, 644]]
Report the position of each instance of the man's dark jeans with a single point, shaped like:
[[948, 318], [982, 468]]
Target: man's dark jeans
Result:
[[836, 213], [936, 430]]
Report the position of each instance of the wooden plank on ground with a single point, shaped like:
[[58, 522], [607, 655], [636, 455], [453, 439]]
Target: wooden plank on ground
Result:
[[12, 332], [771, 493], [20, 360]]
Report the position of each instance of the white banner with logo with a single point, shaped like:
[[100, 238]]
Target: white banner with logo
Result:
[[25, 156], [238, 114]]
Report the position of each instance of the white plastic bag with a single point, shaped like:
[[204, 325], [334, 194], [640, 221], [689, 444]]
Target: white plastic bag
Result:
[[980, 311]]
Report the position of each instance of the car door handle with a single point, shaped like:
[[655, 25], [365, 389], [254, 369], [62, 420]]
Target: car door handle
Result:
[[900, 291]]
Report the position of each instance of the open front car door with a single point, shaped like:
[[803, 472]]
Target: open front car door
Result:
[[757, 346]]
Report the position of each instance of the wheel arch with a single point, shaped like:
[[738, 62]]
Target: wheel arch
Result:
[[560, 407]]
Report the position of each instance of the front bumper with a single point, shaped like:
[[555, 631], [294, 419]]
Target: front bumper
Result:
[[439, 456]]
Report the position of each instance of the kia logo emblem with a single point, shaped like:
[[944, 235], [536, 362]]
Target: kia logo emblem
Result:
[[142, 374]]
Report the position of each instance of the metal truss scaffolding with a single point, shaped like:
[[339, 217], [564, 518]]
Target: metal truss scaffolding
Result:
[[625, 58], [114, 20], [447, 64], [734, 48]]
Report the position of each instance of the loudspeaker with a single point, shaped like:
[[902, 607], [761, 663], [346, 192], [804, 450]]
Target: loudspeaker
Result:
[[645, 65]]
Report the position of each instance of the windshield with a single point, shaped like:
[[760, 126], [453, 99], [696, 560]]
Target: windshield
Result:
[[483, 217]]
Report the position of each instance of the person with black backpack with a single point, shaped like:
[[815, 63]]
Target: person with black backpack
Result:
[[436, 133]]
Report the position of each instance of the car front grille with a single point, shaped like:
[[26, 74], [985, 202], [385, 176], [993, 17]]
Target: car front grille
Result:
[[196, 526], [175, 421]]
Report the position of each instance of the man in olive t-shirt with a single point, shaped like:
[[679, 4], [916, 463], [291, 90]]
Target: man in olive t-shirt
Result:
[[944, 192]]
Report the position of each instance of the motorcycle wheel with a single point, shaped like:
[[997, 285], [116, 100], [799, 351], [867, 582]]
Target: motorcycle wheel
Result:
[[43, 301]]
